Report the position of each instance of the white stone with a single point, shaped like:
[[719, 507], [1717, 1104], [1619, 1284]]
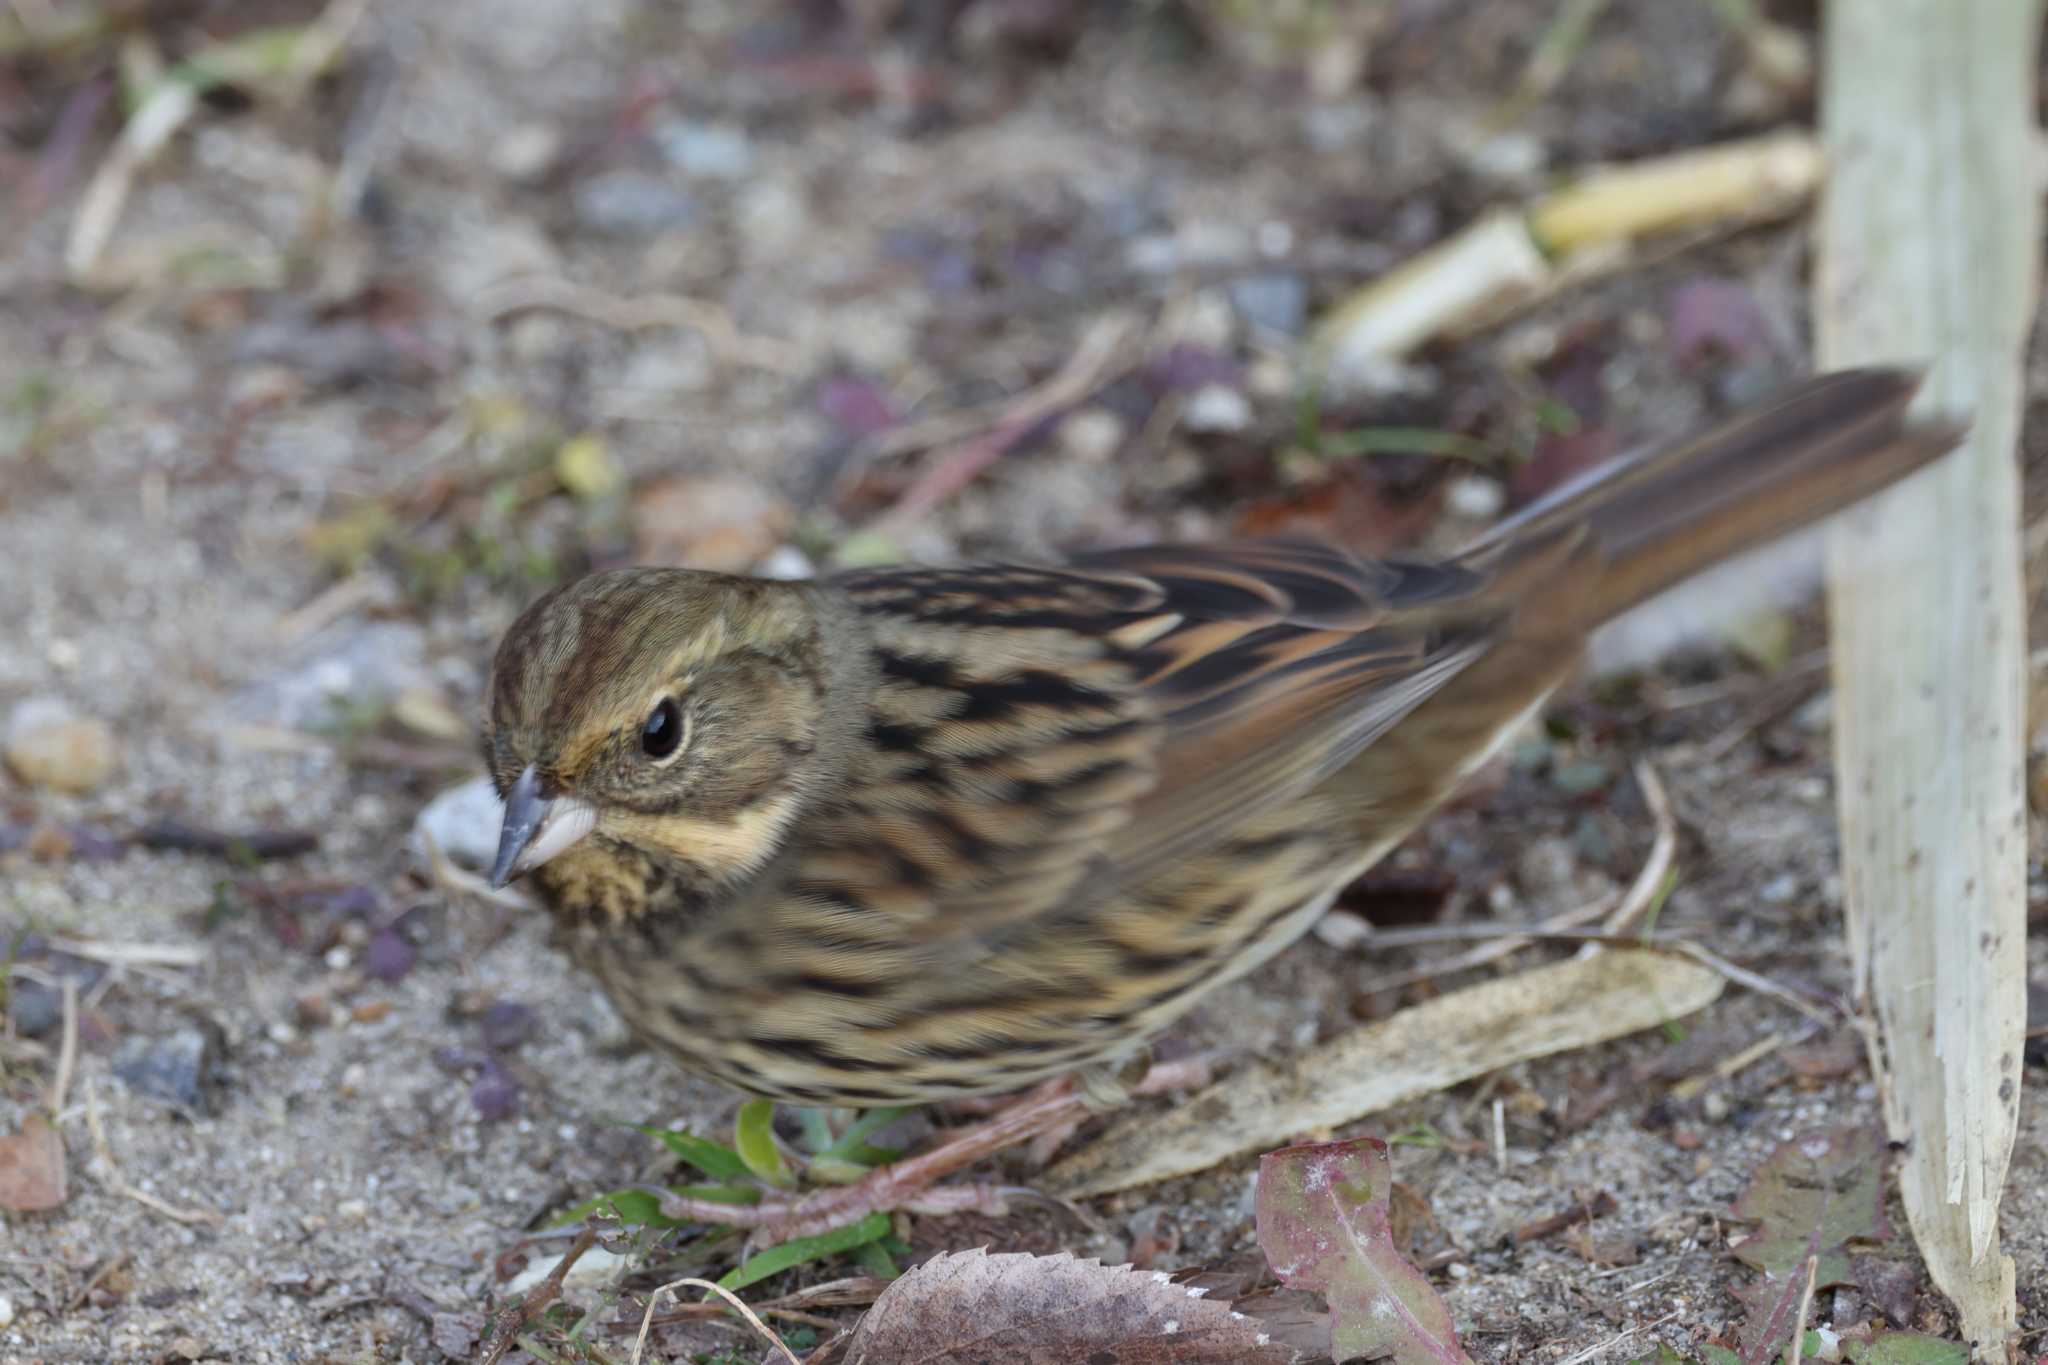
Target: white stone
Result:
[[463, 822], [1216, 407]]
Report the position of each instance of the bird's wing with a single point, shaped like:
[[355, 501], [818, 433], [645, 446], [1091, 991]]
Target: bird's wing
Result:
[[1042, 734]]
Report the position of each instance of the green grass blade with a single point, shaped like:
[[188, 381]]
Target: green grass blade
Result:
[[753, 1137], [714, 1159], [801, 1250]]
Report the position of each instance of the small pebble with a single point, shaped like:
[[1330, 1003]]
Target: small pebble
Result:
[[709, 151], [178, 1069], [6, 1311], [1714, 1105], [632, 204], [1216, 407], [463, 823], [343, 672], [33, 1008], [390, 956], [355, 1210], [1092, 434], [506, 1025], [495, 1094], [1475, 497], [787, 563], [1546, 868], [1275, 302], [594, 1269], [527, 153], [50, 745], [370, 1011]]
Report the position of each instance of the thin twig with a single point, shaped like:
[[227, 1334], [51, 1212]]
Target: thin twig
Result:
[[1656, 869], [132, 954], [513, 1320], [647, 1319], [1805, 1309], [118, 1182], [1649, 883], [1742, 976], [1598, 1347], [67, 1050], [640, 314], [1749, 1056], [1106, 349], [445, 874], [107, 1268]]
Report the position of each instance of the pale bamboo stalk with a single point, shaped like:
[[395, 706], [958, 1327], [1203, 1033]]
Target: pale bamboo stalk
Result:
[[1930, 226]]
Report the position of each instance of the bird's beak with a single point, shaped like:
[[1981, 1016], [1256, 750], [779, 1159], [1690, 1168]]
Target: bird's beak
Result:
[[537, 829]]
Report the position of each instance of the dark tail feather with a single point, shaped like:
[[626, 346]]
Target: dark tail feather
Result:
[[1658, 518]]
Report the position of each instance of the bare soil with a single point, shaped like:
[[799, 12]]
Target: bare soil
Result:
[[919, 222]]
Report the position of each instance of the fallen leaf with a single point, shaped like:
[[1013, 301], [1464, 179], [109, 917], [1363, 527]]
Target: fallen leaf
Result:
[[1560, 457], [1348, 507], [969, 1306], [1709, 316], [1323, 1222], [586, 467], [1890, 1286], [725, 524], [1810, 1198], [32, 1167], [1812, 1195], [1903, 1348], [1826, 1059]]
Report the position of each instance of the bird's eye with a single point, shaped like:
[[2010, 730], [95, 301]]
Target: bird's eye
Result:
[[663, 730]]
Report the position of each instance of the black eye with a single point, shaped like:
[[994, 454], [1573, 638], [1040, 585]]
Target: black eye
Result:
[[663, 730]]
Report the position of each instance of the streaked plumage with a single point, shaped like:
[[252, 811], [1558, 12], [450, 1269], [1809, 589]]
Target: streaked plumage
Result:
[[933, 832]]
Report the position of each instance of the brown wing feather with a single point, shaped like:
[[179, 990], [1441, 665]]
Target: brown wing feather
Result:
[[1236, 677]]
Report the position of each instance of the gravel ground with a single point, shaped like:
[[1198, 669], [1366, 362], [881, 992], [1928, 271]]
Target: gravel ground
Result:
[[296, 1128]]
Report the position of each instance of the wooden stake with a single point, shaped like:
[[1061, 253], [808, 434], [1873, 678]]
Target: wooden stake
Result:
[[1929, 233]]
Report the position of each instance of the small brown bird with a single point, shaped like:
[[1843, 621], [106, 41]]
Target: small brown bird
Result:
[[910, 833]]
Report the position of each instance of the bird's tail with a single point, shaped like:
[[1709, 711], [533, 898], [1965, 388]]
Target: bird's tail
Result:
[[1655, 519]]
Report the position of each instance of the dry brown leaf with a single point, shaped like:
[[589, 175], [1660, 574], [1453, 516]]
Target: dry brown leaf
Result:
[[723, 523], [32, 1167], [969, 1306]]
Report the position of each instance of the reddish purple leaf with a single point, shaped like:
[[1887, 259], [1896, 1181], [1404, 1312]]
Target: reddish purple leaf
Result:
[[1709, 316], [1323, 1224], [32, 1167], [856, 406]]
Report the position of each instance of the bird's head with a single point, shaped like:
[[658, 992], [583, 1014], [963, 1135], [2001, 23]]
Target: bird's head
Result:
[[670, 711]]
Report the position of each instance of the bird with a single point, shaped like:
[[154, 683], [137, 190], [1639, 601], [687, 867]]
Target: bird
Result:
[[902, 834]]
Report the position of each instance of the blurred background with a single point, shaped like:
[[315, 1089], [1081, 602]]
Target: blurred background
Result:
[[332, 334]]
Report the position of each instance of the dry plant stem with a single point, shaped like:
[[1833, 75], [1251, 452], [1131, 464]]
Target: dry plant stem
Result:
[[1429, 1047], [639, 314], [1928, 251], [131, 954], [1649, 879], [514, 1320], [908, 1184], [647, 1319], [119, 1182], [1105, 350], [1599, 1349], [1805, 1310], [67, 1051]]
